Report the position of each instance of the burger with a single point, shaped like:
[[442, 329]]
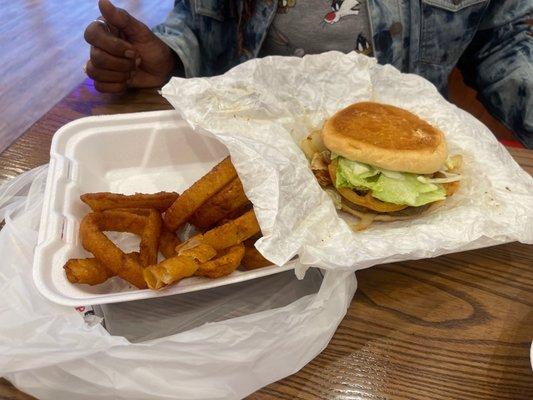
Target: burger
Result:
[[382, 163]]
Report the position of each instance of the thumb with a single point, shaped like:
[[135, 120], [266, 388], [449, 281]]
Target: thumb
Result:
[[134, 29]]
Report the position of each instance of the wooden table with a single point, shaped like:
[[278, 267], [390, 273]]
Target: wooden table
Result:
[[454, 327]]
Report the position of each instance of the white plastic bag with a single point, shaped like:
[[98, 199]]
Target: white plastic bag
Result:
[[50, 352]]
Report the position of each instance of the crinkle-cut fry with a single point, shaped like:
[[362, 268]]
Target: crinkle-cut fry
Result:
[[224, 264], [168, 271], [168, 241], [253, 259], [232, 233], [105, 251], [89, 270], [192, 198], [226, 201], [106, 201]]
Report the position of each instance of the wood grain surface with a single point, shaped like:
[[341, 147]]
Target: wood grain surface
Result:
[[454, 327], [42, 49]]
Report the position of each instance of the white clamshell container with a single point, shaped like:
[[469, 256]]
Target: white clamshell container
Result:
[[142, 152]]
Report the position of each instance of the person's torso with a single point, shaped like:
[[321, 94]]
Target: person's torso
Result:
[[315, 26], [421, 36]]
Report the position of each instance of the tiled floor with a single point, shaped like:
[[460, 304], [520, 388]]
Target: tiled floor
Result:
[[42, 53]]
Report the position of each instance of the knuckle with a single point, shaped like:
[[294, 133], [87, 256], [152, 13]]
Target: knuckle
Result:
[[118, 88], [98, 57], [99, 86], [104, 87], [124, 13], [118, 77], [92, 75], [118, 46], [123, 66], [102, 60], [90, 70]]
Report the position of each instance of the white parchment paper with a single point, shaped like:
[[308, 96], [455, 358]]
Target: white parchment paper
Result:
[[262, 109]]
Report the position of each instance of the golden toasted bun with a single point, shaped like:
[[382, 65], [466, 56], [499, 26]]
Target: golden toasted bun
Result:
[[387, 137]]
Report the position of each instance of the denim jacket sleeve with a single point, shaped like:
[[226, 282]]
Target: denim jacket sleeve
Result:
[[499, 62], [177, 32]]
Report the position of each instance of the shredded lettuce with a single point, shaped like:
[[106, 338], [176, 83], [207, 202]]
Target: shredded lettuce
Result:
[[390, 186]]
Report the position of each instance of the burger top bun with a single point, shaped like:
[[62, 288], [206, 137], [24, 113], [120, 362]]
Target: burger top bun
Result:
[[387, 137]]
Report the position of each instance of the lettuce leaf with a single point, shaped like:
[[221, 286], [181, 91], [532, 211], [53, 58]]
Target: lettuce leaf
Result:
[[397, 188], [408, 191]]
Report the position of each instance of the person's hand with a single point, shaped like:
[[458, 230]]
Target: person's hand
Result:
[[125, 53]]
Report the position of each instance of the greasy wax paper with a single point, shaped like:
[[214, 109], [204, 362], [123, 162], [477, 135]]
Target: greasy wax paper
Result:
[[262, 109]]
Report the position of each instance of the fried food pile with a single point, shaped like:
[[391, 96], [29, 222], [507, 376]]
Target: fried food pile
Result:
[[215, 205]]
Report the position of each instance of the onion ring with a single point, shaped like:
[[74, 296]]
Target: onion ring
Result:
[[102, 201], [89, 270], [105, 251], [149, 233]]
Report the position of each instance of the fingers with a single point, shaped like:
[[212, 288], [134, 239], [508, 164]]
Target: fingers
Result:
[[105, 75], [103, 60], [108, 81], [106, 87], [122, 20], [98, 36]]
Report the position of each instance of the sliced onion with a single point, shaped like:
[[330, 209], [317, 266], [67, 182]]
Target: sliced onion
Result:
[[308, 148], [318, 162], [448, 179], [316, 139], [454, 163], [392, 174]]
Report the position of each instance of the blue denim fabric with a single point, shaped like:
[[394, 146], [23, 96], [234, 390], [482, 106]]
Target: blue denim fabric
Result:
[[490, 40]]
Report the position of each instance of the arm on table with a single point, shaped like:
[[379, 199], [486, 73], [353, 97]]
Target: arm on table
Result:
[[177, 33]]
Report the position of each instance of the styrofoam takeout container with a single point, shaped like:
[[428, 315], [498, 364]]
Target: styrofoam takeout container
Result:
[[128, 153]]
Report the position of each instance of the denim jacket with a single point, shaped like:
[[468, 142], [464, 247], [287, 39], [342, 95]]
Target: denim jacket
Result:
[[490, 40]]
